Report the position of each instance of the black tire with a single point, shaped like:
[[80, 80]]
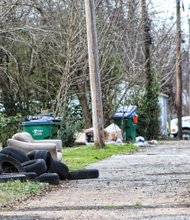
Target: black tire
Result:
[[60, 168], [37, 165], [9, 164], [41, 154], [186, 134], [83, 174], [17, 154], [30, 175], [31, 155], [8, 177], [51, 178]]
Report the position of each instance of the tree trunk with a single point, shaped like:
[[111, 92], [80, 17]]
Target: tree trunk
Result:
[[84, 104]]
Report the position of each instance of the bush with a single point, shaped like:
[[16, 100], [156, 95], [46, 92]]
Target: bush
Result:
[[67, 132], [9, 125], [148, 125]]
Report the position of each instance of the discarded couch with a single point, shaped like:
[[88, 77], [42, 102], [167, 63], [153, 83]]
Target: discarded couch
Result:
[[23, 141]]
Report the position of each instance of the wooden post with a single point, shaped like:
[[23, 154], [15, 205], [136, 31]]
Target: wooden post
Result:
[[96, 95], [178, 70], [189, 54]]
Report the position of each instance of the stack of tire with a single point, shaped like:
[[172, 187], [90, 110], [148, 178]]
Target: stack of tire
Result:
[[37, 165]]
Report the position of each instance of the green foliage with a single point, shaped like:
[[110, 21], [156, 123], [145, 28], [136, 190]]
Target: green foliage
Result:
[[73, 110], [67, 132], [79, 157], [8, 127], [12, 191], [148, 111], [114, 65]]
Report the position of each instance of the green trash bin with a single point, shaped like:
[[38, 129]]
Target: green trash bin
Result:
[[41, 129], [126, 119], [127, 127]]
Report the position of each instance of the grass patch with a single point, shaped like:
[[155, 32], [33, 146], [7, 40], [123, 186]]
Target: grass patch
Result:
[[12, 191], [79, 157]]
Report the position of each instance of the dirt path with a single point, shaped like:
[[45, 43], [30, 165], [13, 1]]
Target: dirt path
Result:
[[152, 184]]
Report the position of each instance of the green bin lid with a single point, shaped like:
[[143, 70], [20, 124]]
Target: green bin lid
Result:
[[38, 122]]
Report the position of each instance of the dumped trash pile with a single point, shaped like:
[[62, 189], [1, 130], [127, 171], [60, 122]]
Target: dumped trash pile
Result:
[[37, 165], [141, 142]]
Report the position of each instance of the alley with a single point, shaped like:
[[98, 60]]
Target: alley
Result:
[[153, 183]]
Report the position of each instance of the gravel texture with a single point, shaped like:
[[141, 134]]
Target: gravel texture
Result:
[[154, 183]]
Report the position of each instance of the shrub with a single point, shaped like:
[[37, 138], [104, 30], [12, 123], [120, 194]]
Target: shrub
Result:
[[67, 132], [9, 125], [149, 112]]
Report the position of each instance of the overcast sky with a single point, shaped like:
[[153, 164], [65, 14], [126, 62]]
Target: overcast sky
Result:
[[168, 7]]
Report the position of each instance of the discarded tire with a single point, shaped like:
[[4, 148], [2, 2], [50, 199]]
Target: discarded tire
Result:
[[60, 168], [51, 178], [83, 174], [7, 177], [17, 154], [31, 155], [37, 165], [30, 175], [9, 164], [186, 134], [41, 154]]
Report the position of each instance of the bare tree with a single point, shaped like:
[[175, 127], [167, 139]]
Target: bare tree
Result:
[[43, 54]]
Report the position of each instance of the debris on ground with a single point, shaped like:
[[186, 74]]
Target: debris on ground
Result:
[[141, 142], [37, 165]]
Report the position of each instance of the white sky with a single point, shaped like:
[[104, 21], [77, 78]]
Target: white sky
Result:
[[168, 7]]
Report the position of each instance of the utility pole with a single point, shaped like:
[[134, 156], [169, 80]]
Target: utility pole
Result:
[[189, 54], [96, 94], [178, 70]]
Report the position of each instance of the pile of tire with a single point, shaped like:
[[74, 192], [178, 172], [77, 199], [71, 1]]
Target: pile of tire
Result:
[[37, 165]]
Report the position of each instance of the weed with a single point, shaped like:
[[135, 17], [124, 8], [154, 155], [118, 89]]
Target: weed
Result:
[[138, 204], [110, 206], [16, 190]]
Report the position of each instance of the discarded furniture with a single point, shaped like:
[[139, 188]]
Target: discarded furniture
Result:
[[24, 141]]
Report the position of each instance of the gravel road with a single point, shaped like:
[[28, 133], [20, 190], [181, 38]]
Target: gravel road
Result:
[[154, 183]]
